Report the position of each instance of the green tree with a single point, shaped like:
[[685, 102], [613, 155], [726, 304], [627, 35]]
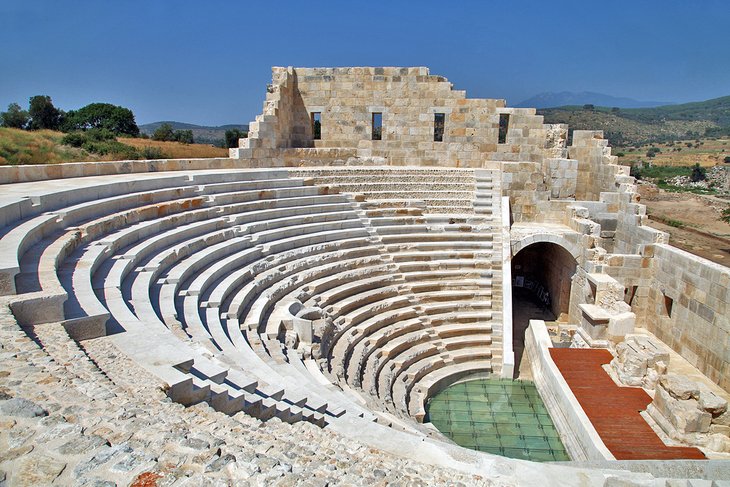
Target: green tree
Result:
[[589, 106], [43, 115], [164, 132], [15, 117], [184, 136], [232, 137], [116, 119], [698, 173]]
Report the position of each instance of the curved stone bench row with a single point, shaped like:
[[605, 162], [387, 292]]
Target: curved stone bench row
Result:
[[273, 325], [78, 271], [202, 277], [215, 263], [437, 192]]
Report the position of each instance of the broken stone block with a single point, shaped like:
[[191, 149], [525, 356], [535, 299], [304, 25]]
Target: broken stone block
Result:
[[684, 414], [630, 367], [718, 442], [723, 419], [711, 403], [680, 387], [689, 418], [621, 325], [639, 362], [719, 429]]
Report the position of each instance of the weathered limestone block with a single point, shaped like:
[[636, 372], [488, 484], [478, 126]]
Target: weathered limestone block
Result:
[[680, 387], [716, 429], [684, 414], [718, 442], [722, 419], [640, 361], [620, 325], [712, 403], [692, 413]]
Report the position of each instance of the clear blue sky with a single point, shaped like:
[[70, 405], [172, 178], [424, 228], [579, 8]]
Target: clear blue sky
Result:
[[208, 62]]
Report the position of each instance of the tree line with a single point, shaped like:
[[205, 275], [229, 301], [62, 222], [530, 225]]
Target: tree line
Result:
[[94, 122], [42, 114]]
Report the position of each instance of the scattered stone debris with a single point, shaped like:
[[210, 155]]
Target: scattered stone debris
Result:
[[640, 361], [690, 412]]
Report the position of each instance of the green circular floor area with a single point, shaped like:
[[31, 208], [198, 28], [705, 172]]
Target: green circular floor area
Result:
[[500, 416]]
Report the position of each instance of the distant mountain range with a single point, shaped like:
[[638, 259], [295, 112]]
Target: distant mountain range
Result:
[[549, 100], [202, 134]]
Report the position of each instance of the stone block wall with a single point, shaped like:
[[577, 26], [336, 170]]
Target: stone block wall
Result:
[[526, 186], [631, 232], [536, 163], [688, 308], [408, 98], [597, 169], [563, 174]]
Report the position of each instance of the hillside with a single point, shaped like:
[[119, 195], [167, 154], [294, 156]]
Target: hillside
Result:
[[551, 99], [636, 126], [45, 147], [38, 147], [202, 134]]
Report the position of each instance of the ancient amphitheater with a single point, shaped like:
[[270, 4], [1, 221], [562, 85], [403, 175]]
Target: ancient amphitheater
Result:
[[286, 316]]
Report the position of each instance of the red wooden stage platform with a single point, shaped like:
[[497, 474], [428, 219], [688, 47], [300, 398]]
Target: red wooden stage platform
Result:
[[613, 410]]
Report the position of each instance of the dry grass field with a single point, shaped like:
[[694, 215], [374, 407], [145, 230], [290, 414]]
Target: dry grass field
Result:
[[45, 147], [706, 152], [38, 147], [176, 150]]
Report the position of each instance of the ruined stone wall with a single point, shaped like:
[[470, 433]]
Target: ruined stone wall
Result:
[[408, 98], [597, 170], [631, 232], [525, 185], [536, 165], [697, 323], [635, 274]]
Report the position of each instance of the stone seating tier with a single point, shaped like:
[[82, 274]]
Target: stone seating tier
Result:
[[196, 274]]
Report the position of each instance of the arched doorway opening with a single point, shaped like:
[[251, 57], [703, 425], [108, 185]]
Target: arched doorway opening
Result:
[[541, 276]]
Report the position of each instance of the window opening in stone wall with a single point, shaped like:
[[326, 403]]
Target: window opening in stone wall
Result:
[[503, 126], [668, 302], [316, 125], [377, 126], [630, 294], [439, 120]]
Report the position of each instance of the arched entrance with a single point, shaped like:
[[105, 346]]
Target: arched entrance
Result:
[[541, 274]]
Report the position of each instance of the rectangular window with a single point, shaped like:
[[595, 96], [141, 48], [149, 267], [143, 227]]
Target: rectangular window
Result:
[[377, 126], [503, 126], [668, 303], [439, 119], [316, 125], [630, 294]]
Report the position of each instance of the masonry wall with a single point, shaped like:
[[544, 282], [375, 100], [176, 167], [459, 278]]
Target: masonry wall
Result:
[[537, 166], [597, 170], [631, 232], [408, 98], [698, 326]]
